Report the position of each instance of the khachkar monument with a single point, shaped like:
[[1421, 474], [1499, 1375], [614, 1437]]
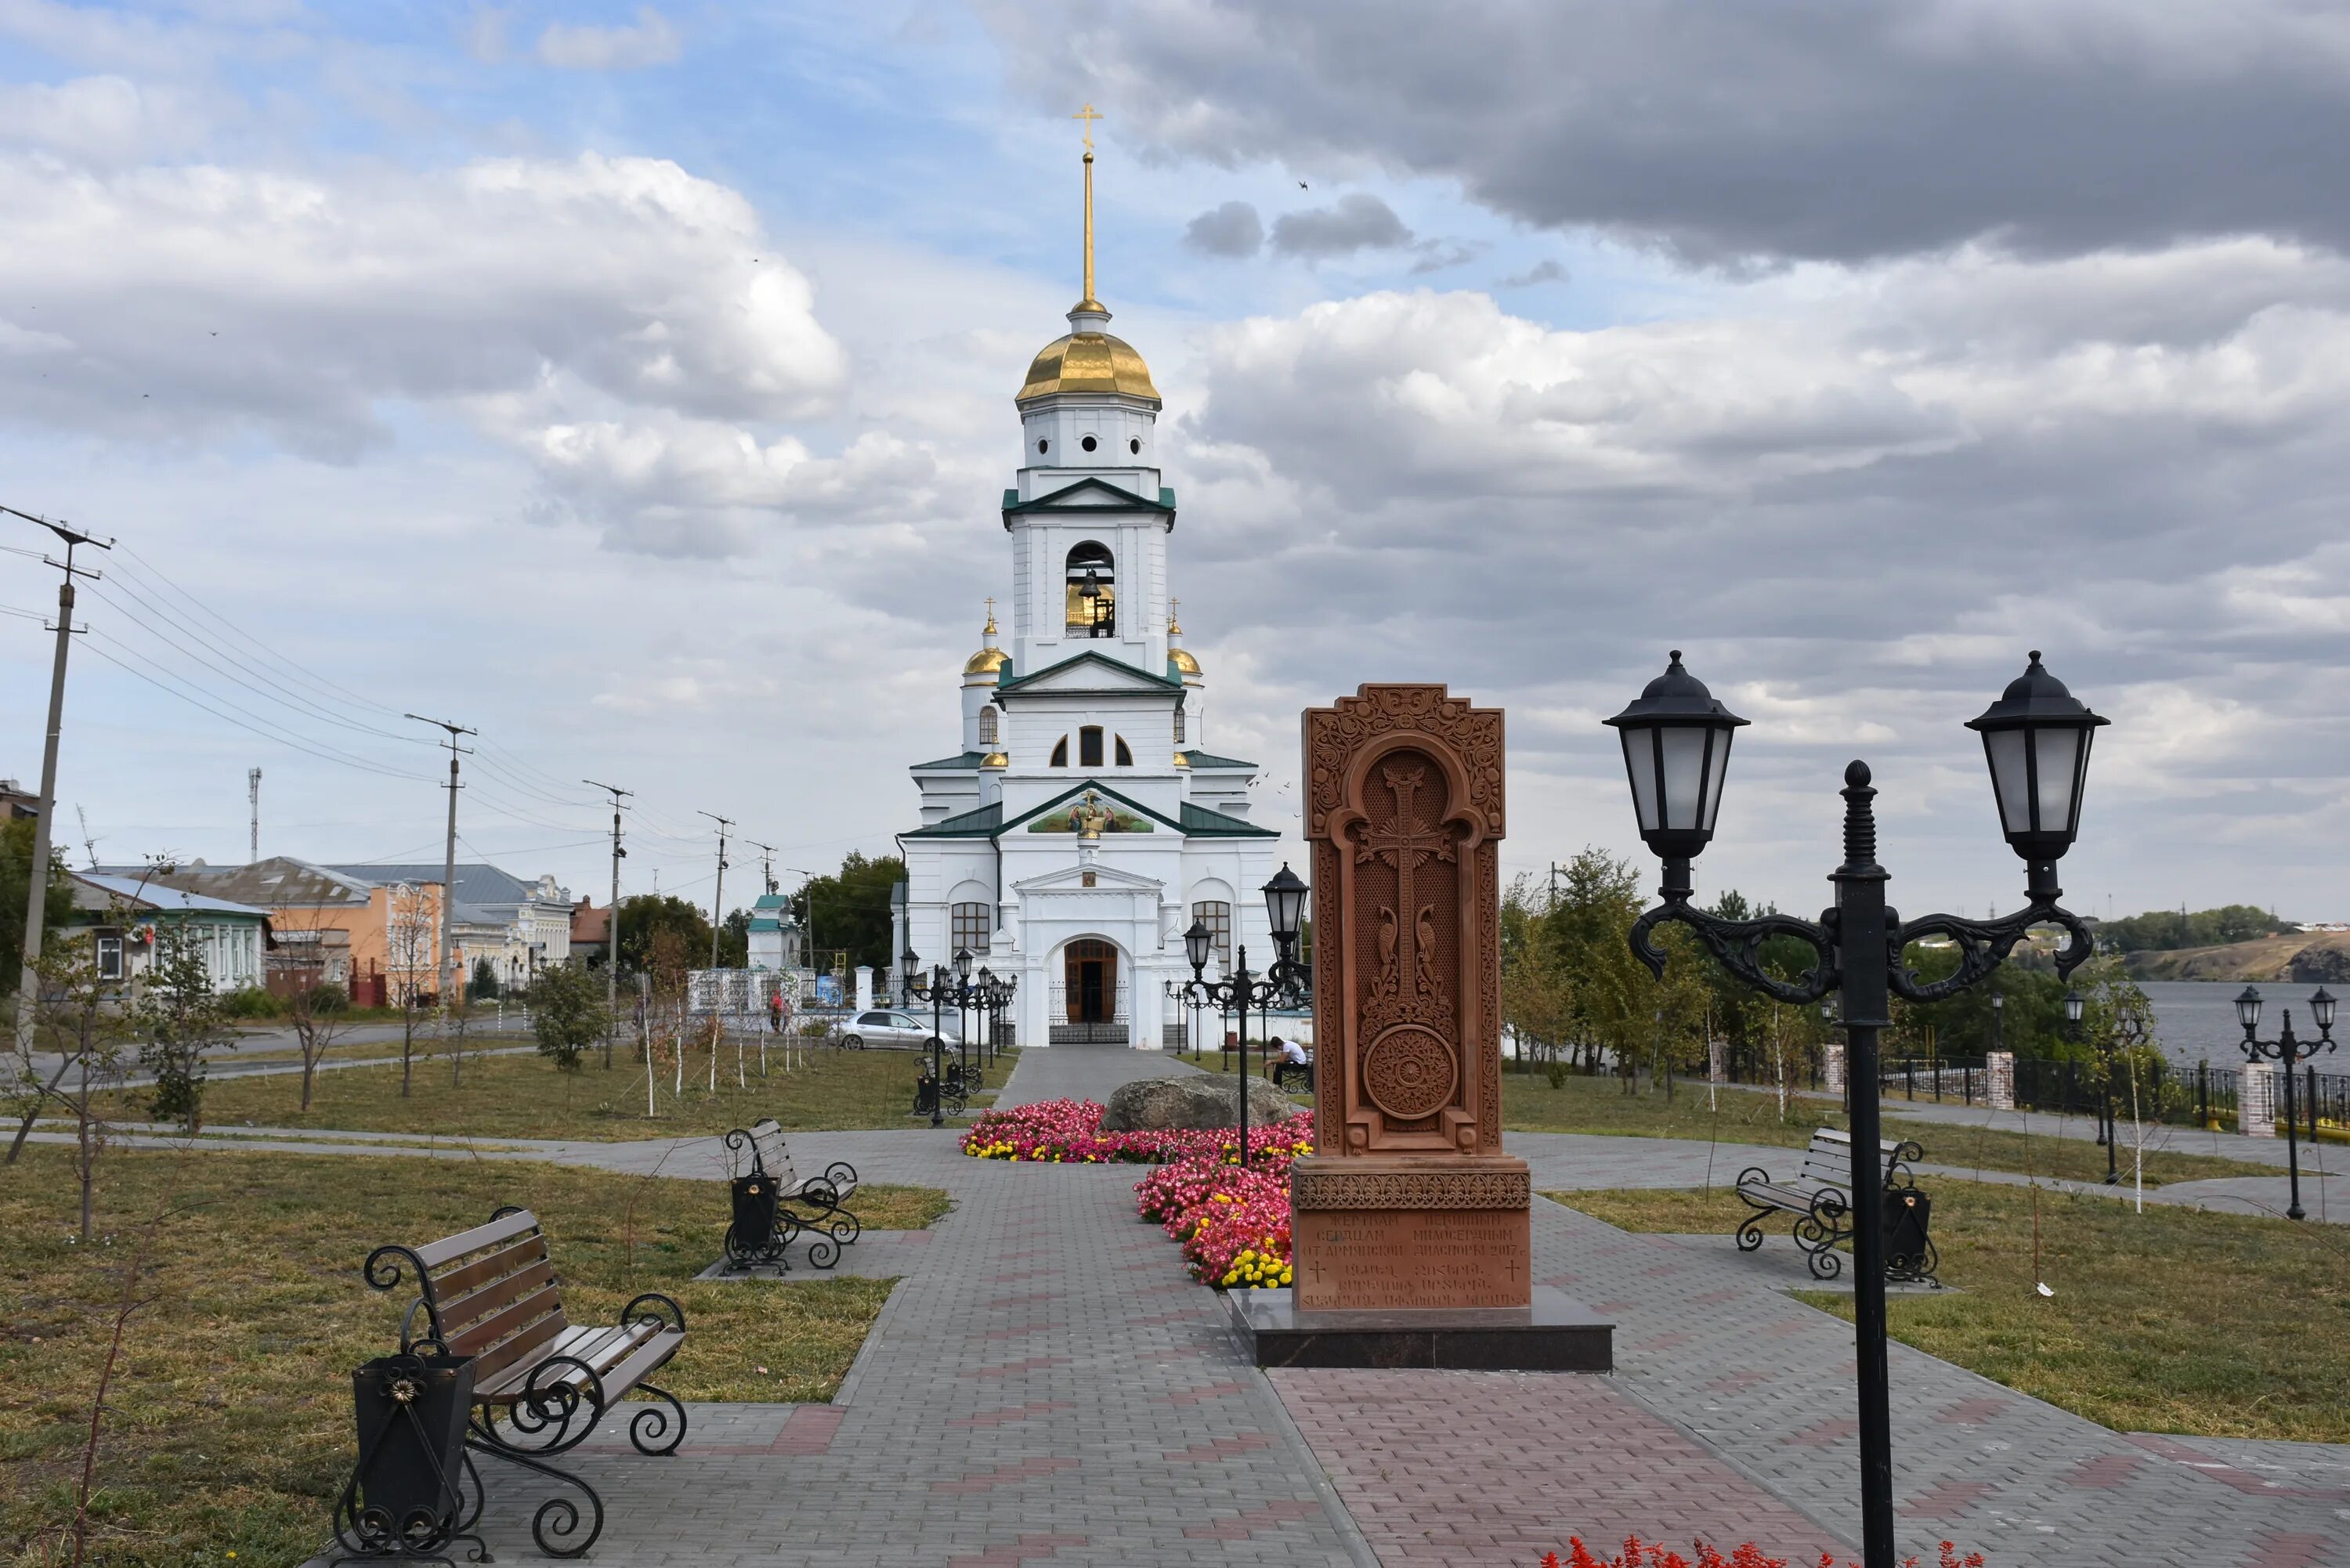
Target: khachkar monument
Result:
[[1411, 1227]]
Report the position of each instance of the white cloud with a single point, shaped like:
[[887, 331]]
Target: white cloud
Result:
[[540, 298], [585, 47]]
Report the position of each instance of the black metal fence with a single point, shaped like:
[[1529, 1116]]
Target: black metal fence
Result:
[[2200, 1096]]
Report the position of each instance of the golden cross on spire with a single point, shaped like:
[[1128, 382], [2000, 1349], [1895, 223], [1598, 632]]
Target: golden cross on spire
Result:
[[1088, 115], [991, 618], [1174, 626]]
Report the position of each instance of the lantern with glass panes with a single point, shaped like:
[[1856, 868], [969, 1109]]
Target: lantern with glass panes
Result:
[[945, 988], [1238, 990], [2288, 1050], [1676, 737]]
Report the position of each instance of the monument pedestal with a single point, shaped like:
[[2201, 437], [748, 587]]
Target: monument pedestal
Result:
[[1553, 1333], [1417, 1260], [1411, 1238]]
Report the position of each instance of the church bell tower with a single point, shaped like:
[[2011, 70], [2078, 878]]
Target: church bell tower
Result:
[[1089, 519]]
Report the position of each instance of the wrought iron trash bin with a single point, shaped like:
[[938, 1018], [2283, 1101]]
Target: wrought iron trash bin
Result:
[[756, 1236], [406, 1496], [1909, 1256]]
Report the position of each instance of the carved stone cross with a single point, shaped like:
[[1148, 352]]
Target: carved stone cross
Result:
[[1405, 844]]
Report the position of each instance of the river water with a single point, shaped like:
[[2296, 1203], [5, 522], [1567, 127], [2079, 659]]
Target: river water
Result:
[[2196, 1019]]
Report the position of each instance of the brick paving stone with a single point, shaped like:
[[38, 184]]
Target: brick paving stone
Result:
[[1064, 1454]]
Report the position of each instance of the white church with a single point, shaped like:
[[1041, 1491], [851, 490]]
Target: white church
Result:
[[1084, 824]]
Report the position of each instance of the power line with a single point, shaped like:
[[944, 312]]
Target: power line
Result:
[[344, 758], [320, 682]]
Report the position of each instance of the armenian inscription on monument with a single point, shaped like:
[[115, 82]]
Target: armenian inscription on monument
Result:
[[1413, 1203]]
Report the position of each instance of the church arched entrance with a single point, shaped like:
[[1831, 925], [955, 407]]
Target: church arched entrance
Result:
[[1092, 1009]]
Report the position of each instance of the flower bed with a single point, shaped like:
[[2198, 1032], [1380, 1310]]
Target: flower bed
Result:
[[1069, 1132], [1232, 1220], [1639, 1554]]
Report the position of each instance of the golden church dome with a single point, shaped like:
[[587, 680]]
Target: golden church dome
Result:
[[990, 660], [1183, 661], [1087, 362]]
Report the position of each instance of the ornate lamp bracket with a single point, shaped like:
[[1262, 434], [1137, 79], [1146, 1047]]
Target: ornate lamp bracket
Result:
[[1983, 945], [1738, 944]]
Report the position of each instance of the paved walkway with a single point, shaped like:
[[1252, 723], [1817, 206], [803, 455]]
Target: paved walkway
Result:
[[1045, 1386]]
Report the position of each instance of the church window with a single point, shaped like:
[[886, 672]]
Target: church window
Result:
[[1124, 757], [1092, 591], [1217, 916], [972, 928], [987, 725], [1179, 726], [1044, 446], [1061, 753], [1088, 443], [1134, 445], [1090, 750]]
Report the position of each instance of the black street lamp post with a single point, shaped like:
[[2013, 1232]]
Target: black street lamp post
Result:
[[946, 988], [2288, 1051], [2074, 1006], [2036, 737], [1284, 907]]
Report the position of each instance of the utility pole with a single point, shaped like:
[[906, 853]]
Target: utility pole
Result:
[[37, 883], [1554, 884], [718, 894], [253, 792], [612, 924], [449, 858], [766, 862]]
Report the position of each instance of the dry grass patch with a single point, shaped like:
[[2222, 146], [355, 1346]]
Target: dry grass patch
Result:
[[2170, 1321], [229, 1423], [526, 1096]]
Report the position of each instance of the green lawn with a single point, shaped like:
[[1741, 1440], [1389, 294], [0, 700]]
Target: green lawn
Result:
[[2170, 1320], [1583, 1105], [526, 1096], [229, 1423]]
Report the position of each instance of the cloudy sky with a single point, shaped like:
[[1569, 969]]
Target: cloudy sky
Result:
[[634, 383]]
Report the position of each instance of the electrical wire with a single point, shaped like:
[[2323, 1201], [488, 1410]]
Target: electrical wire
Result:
[[327, 755], [319, 682]]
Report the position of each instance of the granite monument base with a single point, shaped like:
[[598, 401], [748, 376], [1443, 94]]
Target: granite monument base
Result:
[[1554, 1334]]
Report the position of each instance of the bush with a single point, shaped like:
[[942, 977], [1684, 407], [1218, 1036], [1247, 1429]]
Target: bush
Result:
[[250, 1001], [1639, 1554], [326, 1000], [567, 1013]]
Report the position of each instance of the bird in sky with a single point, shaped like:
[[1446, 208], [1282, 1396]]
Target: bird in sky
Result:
[[1301, 184]]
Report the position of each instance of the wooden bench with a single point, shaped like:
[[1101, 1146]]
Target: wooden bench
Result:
[[1819, 1196], [491, 1294], [817, 1204]]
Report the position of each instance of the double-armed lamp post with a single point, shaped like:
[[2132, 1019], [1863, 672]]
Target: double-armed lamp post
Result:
[[1284, 907], [2036, 737], [2288, 1050], [946, 988]]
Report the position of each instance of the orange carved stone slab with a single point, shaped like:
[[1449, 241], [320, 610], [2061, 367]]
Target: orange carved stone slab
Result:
[[1385, 1234], [1404, 814]]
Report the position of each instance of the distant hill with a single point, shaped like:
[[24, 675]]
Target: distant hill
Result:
[[2322, 958]]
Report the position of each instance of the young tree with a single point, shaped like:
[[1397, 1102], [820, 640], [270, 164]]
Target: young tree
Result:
[[178, 1018], [567, 1013], [314, 1012], [485, 985], [79, 1017], [411, 945]]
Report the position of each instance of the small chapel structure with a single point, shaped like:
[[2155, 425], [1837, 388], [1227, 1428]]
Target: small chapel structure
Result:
[[1084, 823]]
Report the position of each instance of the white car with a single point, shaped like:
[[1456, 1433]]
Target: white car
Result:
[[889, 1028]]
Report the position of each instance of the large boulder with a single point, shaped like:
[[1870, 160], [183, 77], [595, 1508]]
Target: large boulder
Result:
[[1192, 1101]]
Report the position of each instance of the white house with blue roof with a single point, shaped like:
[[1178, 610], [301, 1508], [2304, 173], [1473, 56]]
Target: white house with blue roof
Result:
[[1084, 823]]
